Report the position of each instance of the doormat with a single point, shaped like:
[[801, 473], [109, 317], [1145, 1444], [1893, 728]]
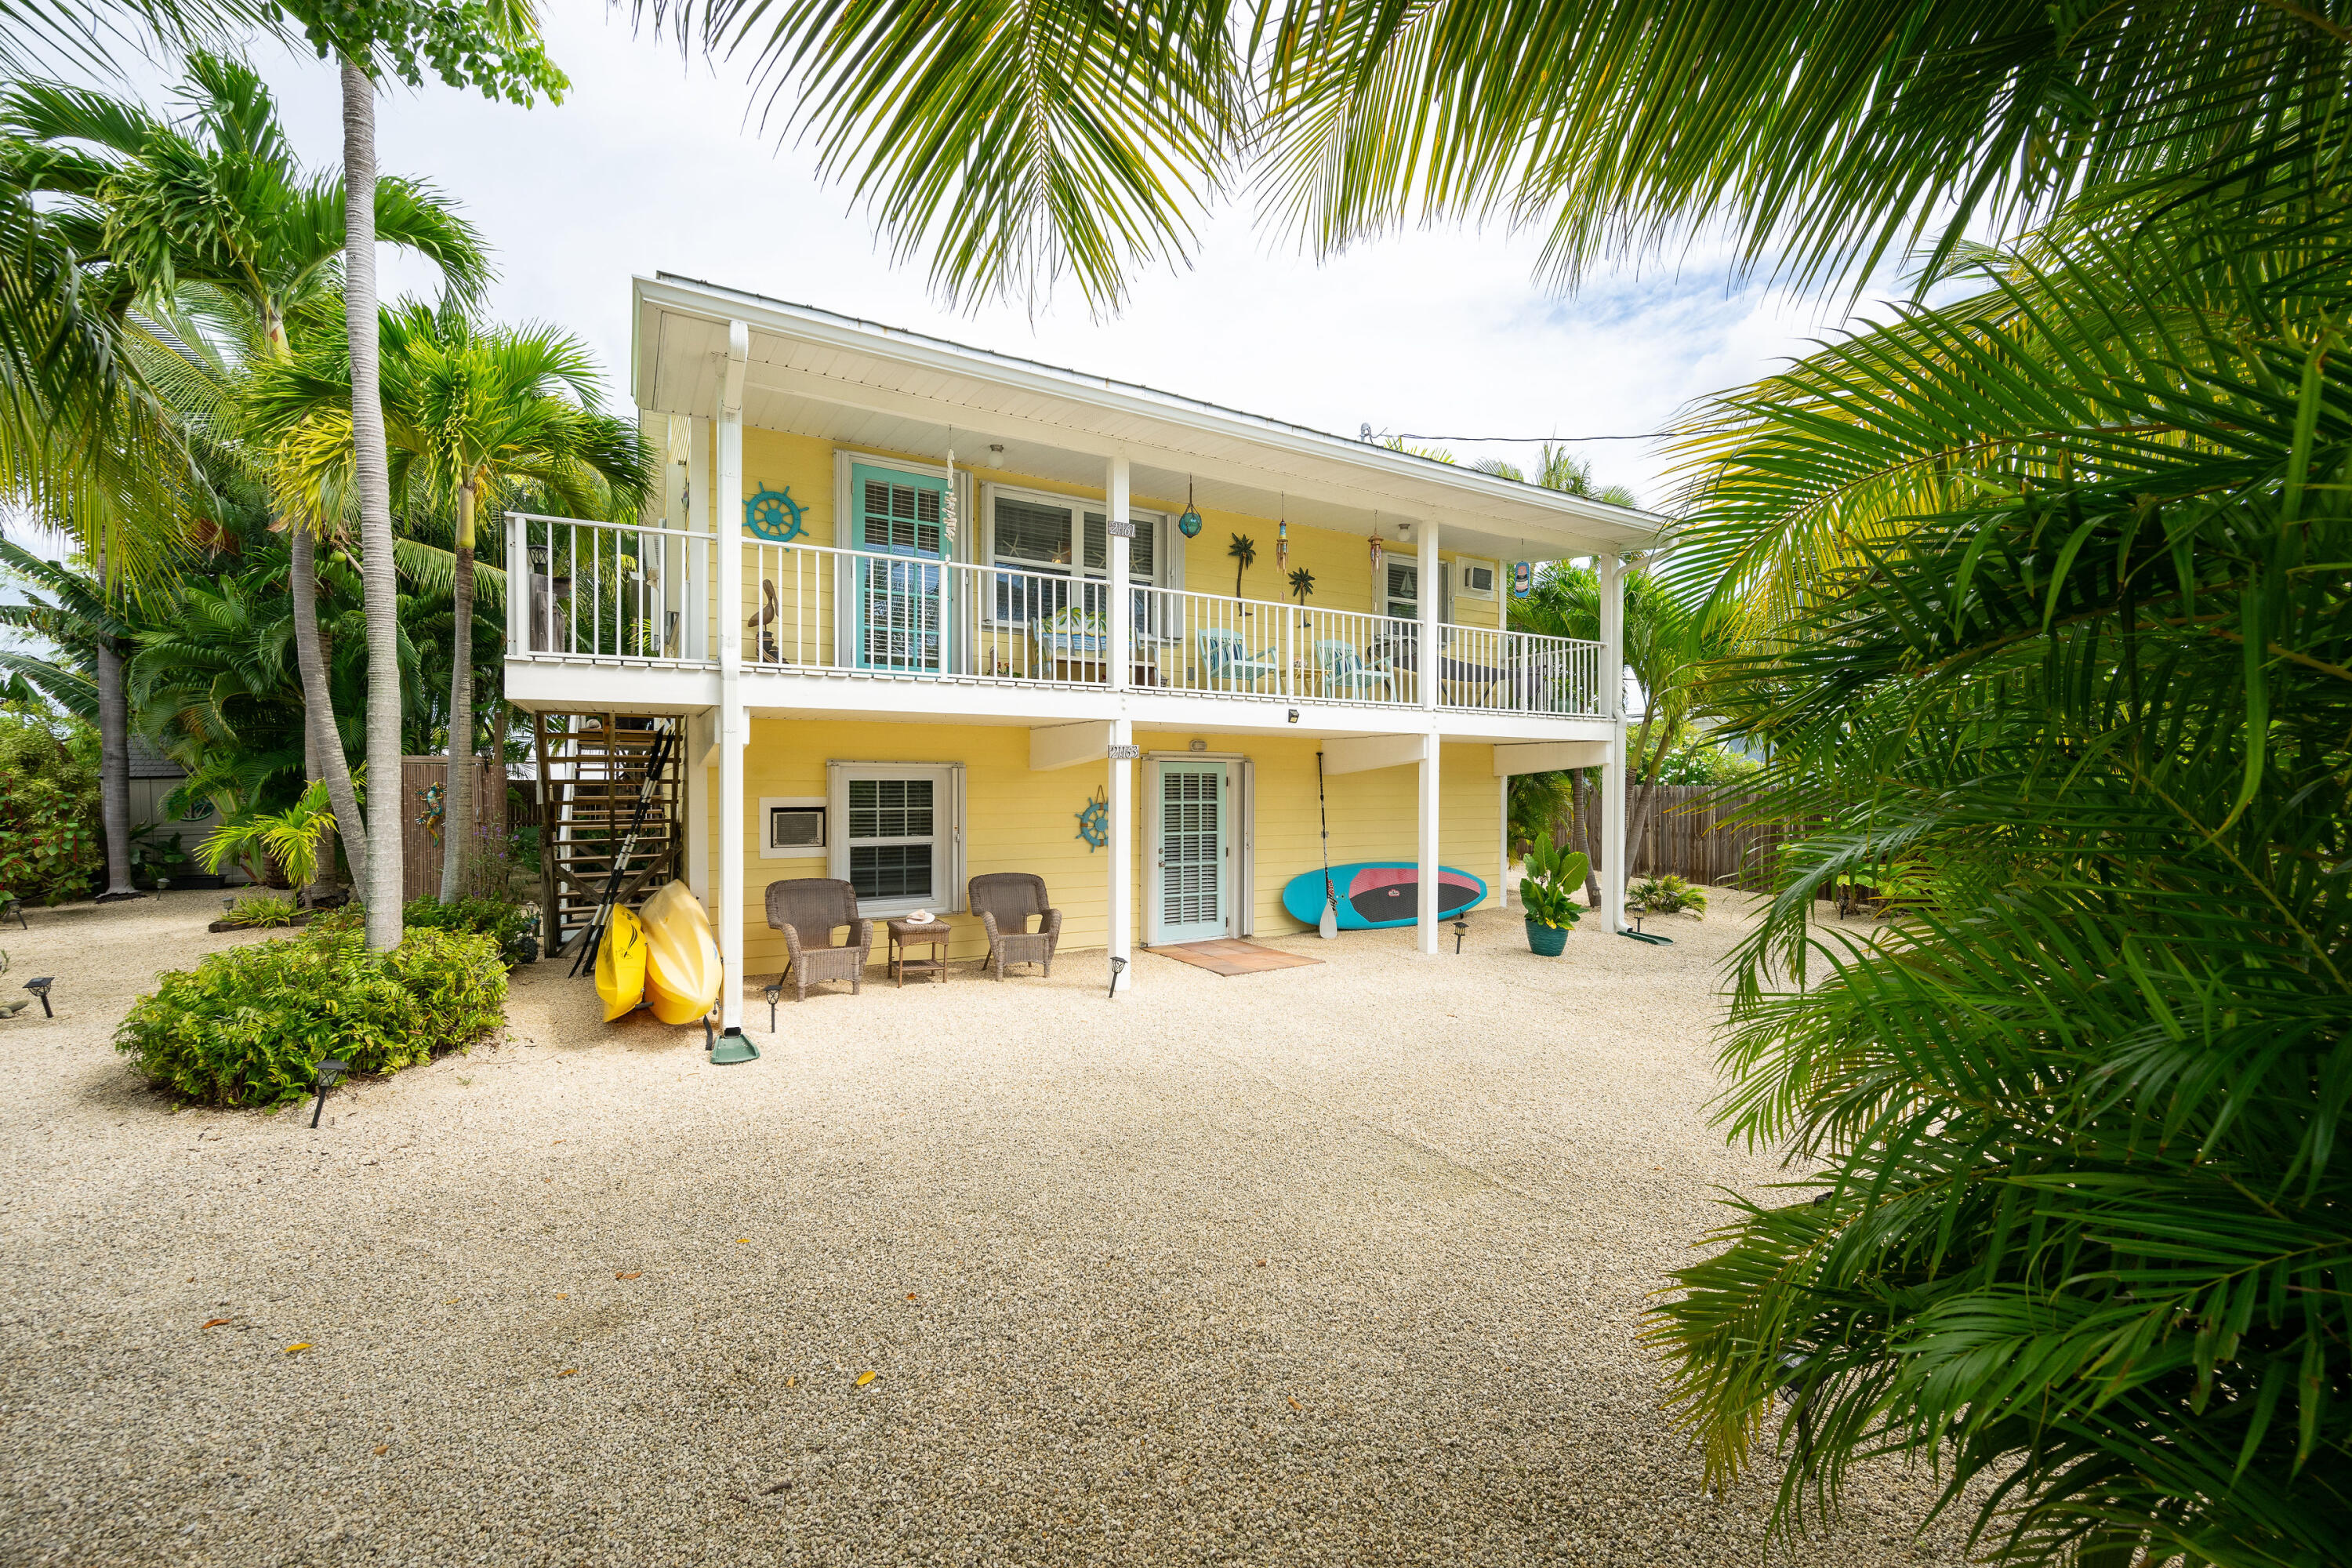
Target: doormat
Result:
[[1225, 956]]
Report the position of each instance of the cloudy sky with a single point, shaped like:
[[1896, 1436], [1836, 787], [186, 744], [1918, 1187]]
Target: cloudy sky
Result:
[[656, 162]]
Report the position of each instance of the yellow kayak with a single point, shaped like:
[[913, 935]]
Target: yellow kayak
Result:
[[621, 966], [682, 968]]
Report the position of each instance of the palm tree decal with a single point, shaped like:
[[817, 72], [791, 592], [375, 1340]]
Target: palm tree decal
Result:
[[1302, 583], [1243, 549]]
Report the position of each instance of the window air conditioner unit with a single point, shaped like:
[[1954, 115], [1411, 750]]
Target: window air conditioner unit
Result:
[[796, 827], [1475, 579]]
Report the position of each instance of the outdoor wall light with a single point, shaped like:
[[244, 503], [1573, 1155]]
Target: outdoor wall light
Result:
[[1293, 715], [774, 993], [39, 986], [324, 1077]]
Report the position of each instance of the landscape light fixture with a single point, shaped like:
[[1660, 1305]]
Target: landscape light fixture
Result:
[[1117, 968], [324, 1077], [1461, 930], [39, 986], [774, 993], [733, 1045]]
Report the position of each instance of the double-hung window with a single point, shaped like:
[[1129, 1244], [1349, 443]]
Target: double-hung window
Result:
[[1403, 595], [1061, 550], [897, 836]]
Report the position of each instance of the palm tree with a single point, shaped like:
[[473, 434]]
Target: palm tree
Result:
[[223, 212], [470, 413], [494, 47]]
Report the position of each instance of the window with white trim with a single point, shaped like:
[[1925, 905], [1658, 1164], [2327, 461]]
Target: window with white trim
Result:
[[1403, 597], [897, 835], [1053, 536]]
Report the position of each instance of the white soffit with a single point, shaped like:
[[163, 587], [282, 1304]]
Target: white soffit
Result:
[[812, 373]]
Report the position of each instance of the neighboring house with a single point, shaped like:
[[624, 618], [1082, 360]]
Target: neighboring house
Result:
[[903, 678]]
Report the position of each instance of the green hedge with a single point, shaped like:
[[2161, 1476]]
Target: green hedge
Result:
[[246, 1025], [510, 925]]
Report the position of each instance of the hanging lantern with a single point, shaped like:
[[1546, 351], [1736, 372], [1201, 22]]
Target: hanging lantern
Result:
[[1189, 525], [1282, 546]]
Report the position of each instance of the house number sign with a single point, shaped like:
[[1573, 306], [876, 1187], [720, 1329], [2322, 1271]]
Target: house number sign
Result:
[[1122, 527], [1126, 753]]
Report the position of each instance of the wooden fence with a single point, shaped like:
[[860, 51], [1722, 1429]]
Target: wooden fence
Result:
[[1689, 836], [421, 782]]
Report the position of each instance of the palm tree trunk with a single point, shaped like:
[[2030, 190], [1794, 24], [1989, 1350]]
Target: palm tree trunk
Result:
[[1644, 801], [457, 791], [114, 768], [1586, 840], [380, 586], [326, 740]]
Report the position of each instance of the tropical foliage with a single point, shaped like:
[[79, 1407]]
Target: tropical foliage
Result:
[[49, 807], [1548, 891], [248, 1026]]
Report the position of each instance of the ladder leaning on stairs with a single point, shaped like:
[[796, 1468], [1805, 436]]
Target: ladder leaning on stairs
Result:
[[592, 770]]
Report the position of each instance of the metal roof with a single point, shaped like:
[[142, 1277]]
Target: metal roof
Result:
[[818, 373]]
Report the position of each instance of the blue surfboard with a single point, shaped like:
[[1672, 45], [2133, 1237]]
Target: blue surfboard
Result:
[[1373, 894]]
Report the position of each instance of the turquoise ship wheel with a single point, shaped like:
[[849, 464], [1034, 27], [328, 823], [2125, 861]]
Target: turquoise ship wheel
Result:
[[1094, 822], [776, 516]]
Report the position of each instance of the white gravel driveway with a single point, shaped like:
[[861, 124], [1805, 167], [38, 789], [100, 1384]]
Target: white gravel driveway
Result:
[[1339, 1264]]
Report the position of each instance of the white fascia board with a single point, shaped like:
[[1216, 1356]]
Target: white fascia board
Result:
[[1362, 753], [1053, 746], [558, 685], [1549, 756], [1466, 492]]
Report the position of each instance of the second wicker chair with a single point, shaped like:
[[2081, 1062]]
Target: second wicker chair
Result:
[[1004, 901]]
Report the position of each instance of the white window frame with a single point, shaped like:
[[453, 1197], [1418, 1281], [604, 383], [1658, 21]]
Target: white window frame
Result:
[[1388, 600], [1162, 525], [795, 803], [947, 832], [844, 505]]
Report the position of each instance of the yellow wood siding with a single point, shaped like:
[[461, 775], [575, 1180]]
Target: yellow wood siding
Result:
[[1017, 820]]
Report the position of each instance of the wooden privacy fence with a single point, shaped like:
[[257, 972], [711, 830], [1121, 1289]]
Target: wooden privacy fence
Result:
[[421, 781], [1689, 834]]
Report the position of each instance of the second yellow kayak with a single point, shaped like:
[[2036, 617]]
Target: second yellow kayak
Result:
[[621, 966], [682, 968]]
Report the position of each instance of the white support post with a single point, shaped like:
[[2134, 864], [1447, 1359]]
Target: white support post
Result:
[[1122, 599], [1503, 849], [518, 595], [1428, 586], [733, 723], [701, 734], [698, 518], [1426, 931], [675, 553], [1613, 852], [1122, 857]]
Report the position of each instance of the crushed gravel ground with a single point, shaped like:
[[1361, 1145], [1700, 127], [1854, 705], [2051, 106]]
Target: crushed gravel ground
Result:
[[1341, 1264]]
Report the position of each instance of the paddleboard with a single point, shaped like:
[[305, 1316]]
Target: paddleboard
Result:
[[682, 967], [621, 965], [1375, 894]]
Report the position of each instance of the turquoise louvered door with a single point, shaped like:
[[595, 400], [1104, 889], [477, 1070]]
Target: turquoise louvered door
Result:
[[1193, 865], [901, 605]]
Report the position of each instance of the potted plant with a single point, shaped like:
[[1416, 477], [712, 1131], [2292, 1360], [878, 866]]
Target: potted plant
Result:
[[1553, 873]]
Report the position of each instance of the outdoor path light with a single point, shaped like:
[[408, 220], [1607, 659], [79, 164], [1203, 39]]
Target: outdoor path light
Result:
[[1461, 930], [774, 993], [39, 986], [324, 1077], [1117, 968]]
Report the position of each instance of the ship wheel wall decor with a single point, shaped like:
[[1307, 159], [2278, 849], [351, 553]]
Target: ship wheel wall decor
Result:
[[776, 516]]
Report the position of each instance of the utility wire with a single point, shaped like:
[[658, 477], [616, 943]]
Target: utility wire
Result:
[[1526, 440]]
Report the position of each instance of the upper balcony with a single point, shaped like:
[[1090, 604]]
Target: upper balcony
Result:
[[886, 629]]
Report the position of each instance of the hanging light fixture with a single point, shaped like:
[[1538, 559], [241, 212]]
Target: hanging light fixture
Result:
[[1189, 525]]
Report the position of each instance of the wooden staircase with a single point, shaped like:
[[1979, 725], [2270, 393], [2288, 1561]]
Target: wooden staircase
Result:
[[592, 770]]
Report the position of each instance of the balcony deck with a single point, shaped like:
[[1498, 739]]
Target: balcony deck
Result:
[[622, 613]]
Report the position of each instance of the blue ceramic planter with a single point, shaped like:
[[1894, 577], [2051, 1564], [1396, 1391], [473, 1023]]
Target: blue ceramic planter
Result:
[[1546, 941]]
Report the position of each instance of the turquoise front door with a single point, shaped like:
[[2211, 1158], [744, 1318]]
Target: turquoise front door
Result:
[[901, 606], [1192, 863]]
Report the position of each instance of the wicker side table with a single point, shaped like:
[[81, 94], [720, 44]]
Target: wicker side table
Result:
[[931, 934]]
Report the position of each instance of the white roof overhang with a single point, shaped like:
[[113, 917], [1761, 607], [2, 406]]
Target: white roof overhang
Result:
[[812, 373]]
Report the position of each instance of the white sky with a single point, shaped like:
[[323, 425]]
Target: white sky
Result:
[[655, 163]]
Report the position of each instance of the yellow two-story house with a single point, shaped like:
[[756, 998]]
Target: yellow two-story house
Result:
[[912, 612]]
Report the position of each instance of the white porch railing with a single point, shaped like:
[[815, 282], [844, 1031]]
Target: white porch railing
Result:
[[607, 592], [1486, 672], [1253, 647]]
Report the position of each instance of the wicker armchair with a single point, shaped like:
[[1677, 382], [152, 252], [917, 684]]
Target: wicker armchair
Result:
[[1004, 900], [807, 909]]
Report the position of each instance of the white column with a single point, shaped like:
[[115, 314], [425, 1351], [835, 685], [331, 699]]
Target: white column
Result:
[[1122, 856], [700, 730], [1503, 851], [1612, 771], [676, 556], [1426, 932], [697, 514], [733, 723], [1122, 602], [1428, 589], [518, 586]]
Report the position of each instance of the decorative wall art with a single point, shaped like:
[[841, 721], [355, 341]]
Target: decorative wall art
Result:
[[1094, 821], [776, 516]]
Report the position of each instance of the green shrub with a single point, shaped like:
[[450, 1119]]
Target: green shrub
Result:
[[50, 842], [1554, 874], [510, 925], [259, 910], [1666, 896], [246, 1027]]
